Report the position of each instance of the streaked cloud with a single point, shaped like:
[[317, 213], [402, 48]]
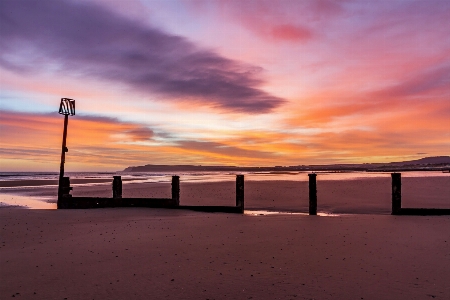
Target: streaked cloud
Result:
[[224, 150], [89, 41], [283, 21], [97, 140], [225, 82], [433, 80]]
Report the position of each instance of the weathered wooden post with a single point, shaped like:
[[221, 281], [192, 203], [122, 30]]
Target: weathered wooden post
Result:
[[64, 192], [117, 187], [312, 194], [396, 193], [66, 108], [176, 190], [240, 192]]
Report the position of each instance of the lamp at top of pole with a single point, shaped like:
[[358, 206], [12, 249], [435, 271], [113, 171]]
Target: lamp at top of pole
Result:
[[67, 107]]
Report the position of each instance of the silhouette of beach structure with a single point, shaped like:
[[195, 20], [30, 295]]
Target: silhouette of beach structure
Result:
[[67, 201]]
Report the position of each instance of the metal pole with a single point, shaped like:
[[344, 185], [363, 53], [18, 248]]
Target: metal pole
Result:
[[63, 158], [63, 148]]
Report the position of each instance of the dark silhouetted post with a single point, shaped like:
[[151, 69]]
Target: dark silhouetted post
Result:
[[396, 193], [63, 156], [312, 194], [66, 108], [240, 192], [66, 188], [176, 189], [117, 187], [64, 192], [64, 148]]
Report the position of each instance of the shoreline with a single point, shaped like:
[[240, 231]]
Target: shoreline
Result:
[[355, 196]]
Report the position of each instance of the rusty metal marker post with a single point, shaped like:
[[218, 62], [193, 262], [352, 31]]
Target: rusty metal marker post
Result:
[[66, 108]]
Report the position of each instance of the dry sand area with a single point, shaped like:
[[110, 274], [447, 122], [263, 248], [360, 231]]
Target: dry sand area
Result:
[[138, 253]]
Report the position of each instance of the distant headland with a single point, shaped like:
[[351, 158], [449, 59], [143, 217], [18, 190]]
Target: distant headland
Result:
[[436, 163]]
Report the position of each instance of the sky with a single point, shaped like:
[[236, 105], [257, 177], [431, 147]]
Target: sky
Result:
[[215, 82]]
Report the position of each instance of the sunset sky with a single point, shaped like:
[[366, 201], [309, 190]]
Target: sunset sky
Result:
[[245, 83]]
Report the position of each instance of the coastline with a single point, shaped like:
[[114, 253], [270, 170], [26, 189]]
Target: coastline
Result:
[[370, 195]]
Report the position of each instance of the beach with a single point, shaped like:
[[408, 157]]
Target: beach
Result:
[[355, 250], [165, 254]]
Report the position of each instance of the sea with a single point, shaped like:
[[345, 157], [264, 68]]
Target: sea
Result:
[[17, 188]]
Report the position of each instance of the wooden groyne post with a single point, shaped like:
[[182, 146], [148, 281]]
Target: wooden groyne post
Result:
[[312, 194], [176, 190], [396, 193], [64, 189], [117, 187], [240, 192]]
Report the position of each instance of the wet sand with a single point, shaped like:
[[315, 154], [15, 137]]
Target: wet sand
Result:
[[44, 182], [361, 196], [165, 254]]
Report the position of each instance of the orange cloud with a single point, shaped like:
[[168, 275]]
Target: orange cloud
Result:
[[91, 140], [99, 142]]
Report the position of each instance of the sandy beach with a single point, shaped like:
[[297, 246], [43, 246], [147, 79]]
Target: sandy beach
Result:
[[165, 254], [139, 253]]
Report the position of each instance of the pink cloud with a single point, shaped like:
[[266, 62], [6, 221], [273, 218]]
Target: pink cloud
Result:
[[291, 33], [282, 21]]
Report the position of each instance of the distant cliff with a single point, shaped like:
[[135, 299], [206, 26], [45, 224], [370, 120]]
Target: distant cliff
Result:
[[436, 163]]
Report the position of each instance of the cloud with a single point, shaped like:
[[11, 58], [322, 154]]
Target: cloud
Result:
[[221, 149], [436, 79], [98, 140], [88, 41], [291, 33], [45, 130], [140, 134], [275, 21]]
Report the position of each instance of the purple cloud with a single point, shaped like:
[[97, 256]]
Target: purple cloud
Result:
[[89, 41], [141, 134], [424, 82], [223, 149]]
